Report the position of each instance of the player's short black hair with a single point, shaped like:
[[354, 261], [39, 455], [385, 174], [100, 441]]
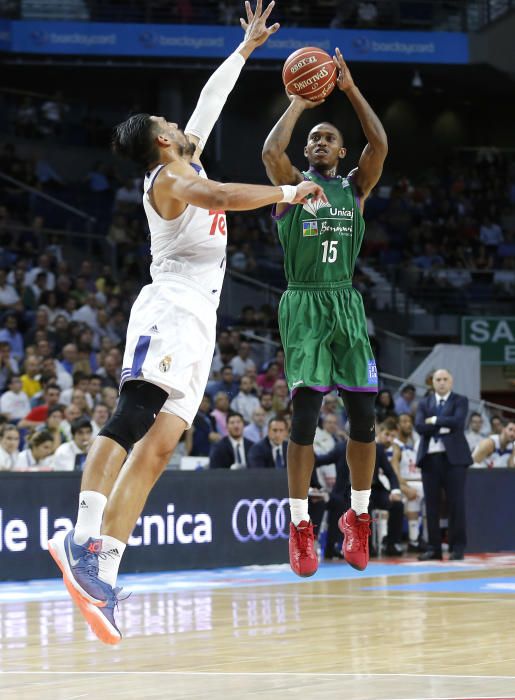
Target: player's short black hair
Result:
[[134, 139]]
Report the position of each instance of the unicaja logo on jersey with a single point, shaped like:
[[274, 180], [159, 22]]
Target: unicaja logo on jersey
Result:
[[313, 205], [309, 228]]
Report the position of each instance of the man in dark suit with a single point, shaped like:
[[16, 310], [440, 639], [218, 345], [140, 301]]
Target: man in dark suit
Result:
[[385, 496], [443, 456], [232, 452], [270, 453]]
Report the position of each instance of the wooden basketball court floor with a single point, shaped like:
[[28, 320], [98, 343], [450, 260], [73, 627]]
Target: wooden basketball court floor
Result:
[[396, 631]]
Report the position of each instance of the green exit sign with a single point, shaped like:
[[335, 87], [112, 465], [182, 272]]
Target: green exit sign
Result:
[[495, 335]]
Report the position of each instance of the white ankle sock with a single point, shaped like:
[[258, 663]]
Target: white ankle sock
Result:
[[109, 559], [359, 501], [413, 530], [299, 510], [89, 516]]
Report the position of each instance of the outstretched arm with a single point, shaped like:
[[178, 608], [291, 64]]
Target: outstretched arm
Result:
[[231, 196], [371, 162], [220, 84]]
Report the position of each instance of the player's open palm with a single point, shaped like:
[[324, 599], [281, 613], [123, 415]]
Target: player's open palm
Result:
[[256, 31], [306, 188], [344, 79]]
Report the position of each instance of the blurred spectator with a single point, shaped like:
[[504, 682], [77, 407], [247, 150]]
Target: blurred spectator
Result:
[[71, 414], [280, 396], [99, 418], [81, 382], [204, 430], [110, 372], [256, 429], [220, 412], [245, 402], [270, 453], [405, 402], [30, 379], [43, 267], [385, 405], [232, 451], [110, 397], [53, 426], [328, 435], [14, 404], [70, 357], [10, 334], [496, 424], [490, 234], [332, 405], [9, 297], [9, 443], [37, 456], [266, 405], [242, 361], [225, 384], [53, 113], [474, 434], [71, 456], [39, 414], [267, 379], [8, 365]]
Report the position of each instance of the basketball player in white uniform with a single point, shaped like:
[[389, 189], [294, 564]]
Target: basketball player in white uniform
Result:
[[497, 450], [171, 333], [403, 460]]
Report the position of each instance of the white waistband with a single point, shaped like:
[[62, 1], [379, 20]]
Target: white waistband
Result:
[[182, 281]]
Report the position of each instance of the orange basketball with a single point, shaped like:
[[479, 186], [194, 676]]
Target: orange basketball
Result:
[[310, 73]]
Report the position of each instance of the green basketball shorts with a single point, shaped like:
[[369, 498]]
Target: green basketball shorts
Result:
[[325, 339]]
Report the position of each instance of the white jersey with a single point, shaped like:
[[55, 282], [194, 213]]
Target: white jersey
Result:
[[500, 456], [172, 328], [190, 248], [408, 463]]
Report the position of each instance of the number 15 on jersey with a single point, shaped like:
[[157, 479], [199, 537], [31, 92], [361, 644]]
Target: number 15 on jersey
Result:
[[330, 251]]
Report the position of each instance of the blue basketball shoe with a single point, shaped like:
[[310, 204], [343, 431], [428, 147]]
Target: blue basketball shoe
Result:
[[79, 566], [101, 619]]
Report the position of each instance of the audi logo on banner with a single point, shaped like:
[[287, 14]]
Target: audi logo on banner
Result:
[[260, 519]]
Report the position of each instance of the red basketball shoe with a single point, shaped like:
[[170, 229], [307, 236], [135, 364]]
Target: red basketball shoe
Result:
[[303, 558], [356, 530]]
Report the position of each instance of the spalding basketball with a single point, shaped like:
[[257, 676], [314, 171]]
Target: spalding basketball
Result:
[[310, 73]]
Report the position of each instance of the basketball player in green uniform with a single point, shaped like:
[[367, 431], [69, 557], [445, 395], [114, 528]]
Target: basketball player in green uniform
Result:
[[321, 317]]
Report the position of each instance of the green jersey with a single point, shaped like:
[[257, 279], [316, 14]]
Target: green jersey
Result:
[[322, 241], [321, 316]]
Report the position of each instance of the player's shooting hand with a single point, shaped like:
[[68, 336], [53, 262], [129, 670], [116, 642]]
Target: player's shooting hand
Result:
[[256, 31], [302, 101], [306, 188], [344, 79]]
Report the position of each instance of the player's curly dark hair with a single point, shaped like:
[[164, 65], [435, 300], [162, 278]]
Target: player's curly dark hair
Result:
[[134, 139]]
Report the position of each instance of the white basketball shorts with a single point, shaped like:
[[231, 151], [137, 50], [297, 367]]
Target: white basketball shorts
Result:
[[170, 342]]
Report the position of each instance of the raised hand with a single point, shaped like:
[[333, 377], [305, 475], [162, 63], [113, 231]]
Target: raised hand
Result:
[[256, 31], [302, 101], [306, 188], [344, 80]]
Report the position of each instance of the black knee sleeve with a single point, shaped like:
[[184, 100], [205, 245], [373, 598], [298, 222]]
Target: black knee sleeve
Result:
[[139, 404], [306, 410], [360, 409]]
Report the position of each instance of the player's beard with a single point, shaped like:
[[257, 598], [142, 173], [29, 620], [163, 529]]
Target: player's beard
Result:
[[188, 149]]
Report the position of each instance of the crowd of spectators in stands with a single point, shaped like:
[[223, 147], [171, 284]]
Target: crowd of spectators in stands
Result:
[[325, 13]]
